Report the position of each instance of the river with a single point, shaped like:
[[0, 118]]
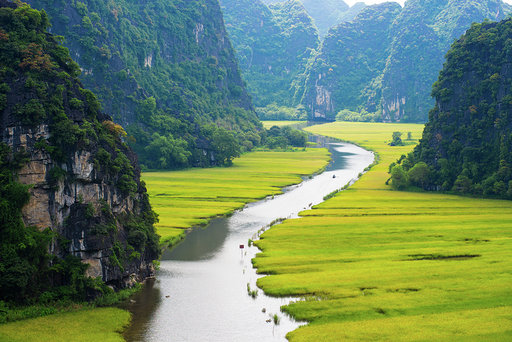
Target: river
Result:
[[200, 293]]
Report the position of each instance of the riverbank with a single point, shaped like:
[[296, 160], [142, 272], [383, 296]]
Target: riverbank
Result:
[[206, 285], [392, 265], [184, 199]]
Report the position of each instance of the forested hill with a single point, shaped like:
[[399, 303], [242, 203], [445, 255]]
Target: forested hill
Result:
[[467, 142], [328, 13], [422, 35], [406, 62], [166, 70], [69, 185], [346, 72], [273, 45]]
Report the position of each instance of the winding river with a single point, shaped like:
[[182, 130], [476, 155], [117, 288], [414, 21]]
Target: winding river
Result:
[[201, 289]]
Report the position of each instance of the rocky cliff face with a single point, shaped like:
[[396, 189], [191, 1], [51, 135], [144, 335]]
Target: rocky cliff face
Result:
[[386, 64], [350, 61], [422, 34], [164, 67], [85, 180], [273, 45], [467, 142], [83, 206]]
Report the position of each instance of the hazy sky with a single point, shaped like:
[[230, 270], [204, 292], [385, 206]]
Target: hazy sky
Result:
[[371, 2]]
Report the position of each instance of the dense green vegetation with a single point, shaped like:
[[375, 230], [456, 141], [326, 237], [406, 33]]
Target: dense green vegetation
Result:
[[467, 143], [347, 70], [23, 250], [184, 199], [422, 35], [328, 13], [40, 88], [378, 264], [283, 113], [81, 326], [387, 65], [273, 45], [269, 124], [163, 69]]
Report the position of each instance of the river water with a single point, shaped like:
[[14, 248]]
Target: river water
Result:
[[200, 293]]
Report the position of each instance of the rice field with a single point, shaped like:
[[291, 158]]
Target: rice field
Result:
[[188, 198], [381, 265], [104, 324]]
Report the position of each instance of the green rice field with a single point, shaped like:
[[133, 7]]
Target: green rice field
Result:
[[103, 324], [188, 198], [381, 265]]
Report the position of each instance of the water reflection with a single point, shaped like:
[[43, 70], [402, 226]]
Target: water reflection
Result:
[[201, 243], [201, 291], [144, 303]]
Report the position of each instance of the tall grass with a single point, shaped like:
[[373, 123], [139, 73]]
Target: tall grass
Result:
[[184, 199], [391, 265], [79, 326]]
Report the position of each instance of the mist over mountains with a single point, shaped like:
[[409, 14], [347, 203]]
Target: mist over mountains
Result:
[[380, 62]]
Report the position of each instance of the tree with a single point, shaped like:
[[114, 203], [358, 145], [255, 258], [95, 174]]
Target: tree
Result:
[[419, 174], [225, 146], [398, 178], [397, 139], [167, 152]]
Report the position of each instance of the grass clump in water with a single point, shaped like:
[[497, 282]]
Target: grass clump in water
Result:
[[252, 293]]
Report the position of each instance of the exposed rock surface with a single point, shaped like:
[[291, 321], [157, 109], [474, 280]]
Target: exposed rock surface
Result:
[[273, 44], [386, 59], [85, 180], [161, 67]]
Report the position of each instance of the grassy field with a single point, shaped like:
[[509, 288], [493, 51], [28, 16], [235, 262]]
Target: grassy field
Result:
[[189, 198], [268, 124], [80, 326], [378, 264]]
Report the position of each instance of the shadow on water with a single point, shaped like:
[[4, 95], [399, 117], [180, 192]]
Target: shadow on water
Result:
[[201, 289], [201, 243], [144, 304]]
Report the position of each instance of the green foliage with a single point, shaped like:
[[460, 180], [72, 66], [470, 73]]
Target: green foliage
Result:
[[163, 67], [32, 113], [22, 249], [396, 139], [55, 175], [281, 137], [275, 112], [164, 152], [359, 116], [40, 87], [25, 274], [273, 45], [386, 59], [418, 175], [399, 178], [349, 66], [467, 141], [423, 33]]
